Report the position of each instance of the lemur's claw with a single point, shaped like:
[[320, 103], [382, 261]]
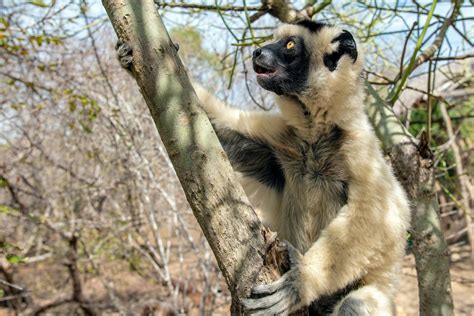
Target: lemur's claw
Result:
[[124, 54]]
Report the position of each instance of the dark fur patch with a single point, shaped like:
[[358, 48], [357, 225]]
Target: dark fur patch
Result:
[[353, 307], [329, 169], [322, 161], [312, 26], [326, 303], [253, 158], [291, 65], [347, 45]]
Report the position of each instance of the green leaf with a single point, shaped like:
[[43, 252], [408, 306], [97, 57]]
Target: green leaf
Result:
[[4, 209], [3, 182], [4, 22], [39, 3], [72, 105], [4, 245], [39, 40], [55, 40], [15, 259], [2, 293]]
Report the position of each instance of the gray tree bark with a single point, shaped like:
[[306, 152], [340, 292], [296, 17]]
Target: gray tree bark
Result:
[[412, 162], [243, 248]]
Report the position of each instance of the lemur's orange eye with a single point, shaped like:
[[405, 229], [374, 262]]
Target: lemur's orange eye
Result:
[[290, 45]]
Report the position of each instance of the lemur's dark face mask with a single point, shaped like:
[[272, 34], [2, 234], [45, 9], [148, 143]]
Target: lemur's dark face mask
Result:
[[282, 67]]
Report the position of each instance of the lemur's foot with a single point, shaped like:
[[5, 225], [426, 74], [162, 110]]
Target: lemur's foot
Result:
[[124, 54]]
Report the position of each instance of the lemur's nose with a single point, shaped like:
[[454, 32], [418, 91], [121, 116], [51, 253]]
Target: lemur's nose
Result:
[[257, 52]]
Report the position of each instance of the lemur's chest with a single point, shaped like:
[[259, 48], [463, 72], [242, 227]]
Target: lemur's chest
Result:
[[316, 177], [320, 165]]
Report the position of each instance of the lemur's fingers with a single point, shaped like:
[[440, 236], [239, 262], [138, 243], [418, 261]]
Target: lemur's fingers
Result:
[[280, 308], [254, 304], [124, 54], [266, 289], [279, 297], [281, 302]]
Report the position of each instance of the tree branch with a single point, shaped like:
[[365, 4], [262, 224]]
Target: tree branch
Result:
[[458, 57], [412, 162], [239, 242], [427, 53], [207, 7]]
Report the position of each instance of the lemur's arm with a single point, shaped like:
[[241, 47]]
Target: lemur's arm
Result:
[[345, 251], [264, 126], [247, 138]]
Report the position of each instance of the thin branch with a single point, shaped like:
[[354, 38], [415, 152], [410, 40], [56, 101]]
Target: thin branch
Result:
[[403, 76], [402, 59], [427, 53], [207, 7], [459, 57]]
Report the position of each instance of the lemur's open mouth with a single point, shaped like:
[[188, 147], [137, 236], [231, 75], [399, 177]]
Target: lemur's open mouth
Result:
[[262, 69]]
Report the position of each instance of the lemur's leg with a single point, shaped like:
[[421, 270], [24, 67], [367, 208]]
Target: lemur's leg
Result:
[[366, 301], [340, 256]]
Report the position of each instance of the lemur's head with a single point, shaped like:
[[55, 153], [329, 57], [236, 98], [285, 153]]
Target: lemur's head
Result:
[[307, 58]]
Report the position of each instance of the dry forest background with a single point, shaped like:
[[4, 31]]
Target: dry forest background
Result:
[[93, 219]]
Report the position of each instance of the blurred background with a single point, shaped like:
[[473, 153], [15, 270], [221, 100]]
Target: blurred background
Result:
[[93, 220]]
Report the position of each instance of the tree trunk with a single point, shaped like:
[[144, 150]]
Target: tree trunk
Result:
[[412, 162], [241, 245]]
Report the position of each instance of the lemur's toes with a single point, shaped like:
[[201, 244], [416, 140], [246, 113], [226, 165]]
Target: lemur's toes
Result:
[[124, 54]]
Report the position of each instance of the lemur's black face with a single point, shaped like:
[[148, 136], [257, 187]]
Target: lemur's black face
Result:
[[282, 67]]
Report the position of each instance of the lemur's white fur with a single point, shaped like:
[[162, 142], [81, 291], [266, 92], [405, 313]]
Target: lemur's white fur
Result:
[[365, 240]]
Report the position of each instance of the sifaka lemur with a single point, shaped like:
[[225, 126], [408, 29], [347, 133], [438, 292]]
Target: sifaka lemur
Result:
[[315, 174]]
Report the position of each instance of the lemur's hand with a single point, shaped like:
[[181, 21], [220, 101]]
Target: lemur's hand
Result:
[[280, 297], [124, 54]]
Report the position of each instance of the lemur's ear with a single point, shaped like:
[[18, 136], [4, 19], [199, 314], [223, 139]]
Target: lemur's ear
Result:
[[347, 45]]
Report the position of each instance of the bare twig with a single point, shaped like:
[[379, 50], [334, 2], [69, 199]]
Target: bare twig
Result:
[[405, 73], [427, 53], [207, 7], [459, 57], [402, 59]]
